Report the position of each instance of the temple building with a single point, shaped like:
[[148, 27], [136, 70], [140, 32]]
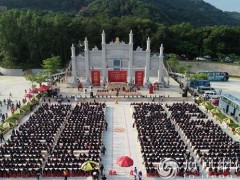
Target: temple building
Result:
[[117, 62]]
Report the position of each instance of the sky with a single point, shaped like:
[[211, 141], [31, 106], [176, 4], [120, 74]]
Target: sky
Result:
[[225, 5]]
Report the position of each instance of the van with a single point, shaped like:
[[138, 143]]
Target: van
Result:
[[198, 83], [202, 89]]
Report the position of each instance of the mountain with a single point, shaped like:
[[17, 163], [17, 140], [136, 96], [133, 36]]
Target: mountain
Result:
[[235, 15], [196, 12]]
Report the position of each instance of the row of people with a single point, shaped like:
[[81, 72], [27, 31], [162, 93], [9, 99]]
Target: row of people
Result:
[[80, 140], [158, 137], [213, 147], [27, 148]]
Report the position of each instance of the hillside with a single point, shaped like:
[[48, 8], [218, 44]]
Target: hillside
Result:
[[196, 12], [235, 15]]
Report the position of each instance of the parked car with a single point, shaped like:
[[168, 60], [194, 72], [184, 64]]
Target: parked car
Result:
[[211, 94], [207, 57], [201, 59], [228, 60]]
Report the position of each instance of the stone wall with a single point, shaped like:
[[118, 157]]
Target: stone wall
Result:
[[11, 72], [36, 71]]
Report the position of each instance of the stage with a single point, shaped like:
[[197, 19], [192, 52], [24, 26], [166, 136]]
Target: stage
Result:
[[117, 89], [114, 93]]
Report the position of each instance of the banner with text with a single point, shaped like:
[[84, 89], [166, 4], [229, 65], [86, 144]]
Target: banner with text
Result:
[[117, 76], [139, 78], [95, 75]]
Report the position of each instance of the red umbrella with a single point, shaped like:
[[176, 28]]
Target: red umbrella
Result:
[[41, 89], [34, 90], [124, 161], [28, 95]]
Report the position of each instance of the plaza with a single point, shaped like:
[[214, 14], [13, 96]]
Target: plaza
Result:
[[120, 138]]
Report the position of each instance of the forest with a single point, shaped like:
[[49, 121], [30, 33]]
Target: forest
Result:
[[169, 12], [28, 36]]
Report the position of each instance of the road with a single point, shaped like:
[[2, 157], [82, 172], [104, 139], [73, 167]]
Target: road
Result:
[[230, 87]]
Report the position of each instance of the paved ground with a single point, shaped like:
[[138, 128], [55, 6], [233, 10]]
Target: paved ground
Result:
[[230, 87], [14, 85]]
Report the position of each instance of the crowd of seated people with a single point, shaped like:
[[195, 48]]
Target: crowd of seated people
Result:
[[80, 141], [158, 138], [215, 149], [24, 153]]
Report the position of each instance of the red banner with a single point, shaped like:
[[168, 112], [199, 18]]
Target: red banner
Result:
[[117, 76], [139, 77], [95, 75]]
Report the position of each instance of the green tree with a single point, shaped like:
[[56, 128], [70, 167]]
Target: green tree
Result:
[[173, 61], [51, 65], [195, 77], [36, 78]]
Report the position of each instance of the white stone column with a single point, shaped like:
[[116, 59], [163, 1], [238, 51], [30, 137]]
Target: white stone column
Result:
[[86, 51], [104, 81], [146, 73], [160, 68], [130, 62], [73, 57]]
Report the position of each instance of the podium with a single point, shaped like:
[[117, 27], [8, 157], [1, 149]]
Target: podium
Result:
[[150, 89]]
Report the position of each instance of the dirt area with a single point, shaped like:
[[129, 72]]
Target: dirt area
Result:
[[232, 69]]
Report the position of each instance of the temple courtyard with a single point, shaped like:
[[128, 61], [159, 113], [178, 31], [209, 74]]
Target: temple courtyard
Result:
[[120, 138]]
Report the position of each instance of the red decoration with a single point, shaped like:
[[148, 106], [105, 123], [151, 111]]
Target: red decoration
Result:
[[117, 76], [95, 75], [139, 77]]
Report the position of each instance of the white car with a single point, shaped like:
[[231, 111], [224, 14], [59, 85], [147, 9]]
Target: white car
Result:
[[201, 59], [211, 94]]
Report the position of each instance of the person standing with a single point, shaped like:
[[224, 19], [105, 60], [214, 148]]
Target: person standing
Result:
[[38, 174], [103, 150], [65, 174], [140, 175], [135, 173], [106, 125], [104, 177], [101, 169], [2, 137], [95, 175]]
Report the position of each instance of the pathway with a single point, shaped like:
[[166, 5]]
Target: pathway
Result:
[[121, 140]]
